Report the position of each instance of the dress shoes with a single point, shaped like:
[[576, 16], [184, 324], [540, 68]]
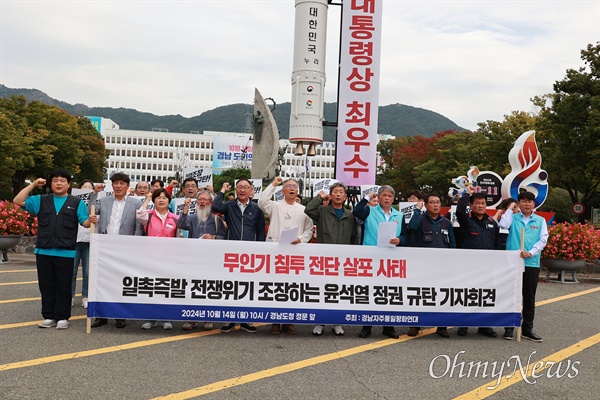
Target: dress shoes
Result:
[[289, 329], [365, 332], [531, 336], [462, 331], [121, 323], [99, 322], [443, 332], [390, 332], [489, 332], [413, 331], [275, 329]]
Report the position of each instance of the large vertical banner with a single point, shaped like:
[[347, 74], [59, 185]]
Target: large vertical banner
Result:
[[359, 92]]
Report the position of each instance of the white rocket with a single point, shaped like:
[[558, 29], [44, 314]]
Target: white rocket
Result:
[[308, 76]]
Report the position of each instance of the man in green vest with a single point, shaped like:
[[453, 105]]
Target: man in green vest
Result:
[[536, 235]]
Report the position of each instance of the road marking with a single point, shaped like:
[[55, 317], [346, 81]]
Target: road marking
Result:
[[567, 296], [240, 380], [104, 350], [19, 270], [267, 373], [225, 384], [33, 323], [508, 380], [24, 283]]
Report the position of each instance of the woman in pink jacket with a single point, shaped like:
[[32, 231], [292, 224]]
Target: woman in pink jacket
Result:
[[158, 222]]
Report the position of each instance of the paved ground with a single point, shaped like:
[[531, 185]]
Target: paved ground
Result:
[[134, 364]]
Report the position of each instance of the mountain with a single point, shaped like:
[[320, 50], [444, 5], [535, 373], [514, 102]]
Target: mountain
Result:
[[394, 119]]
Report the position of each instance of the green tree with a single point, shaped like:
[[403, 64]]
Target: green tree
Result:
[[229, 175], [40, 138], [569, 121]]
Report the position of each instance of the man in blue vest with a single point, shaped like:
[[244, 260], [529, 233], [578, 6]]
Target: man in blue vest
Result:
[[58, 216], [477, 231], [536, 235], [431, 229], [372, 217]]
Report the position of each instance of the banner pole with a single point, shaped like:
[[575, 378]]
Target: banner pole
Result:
[[88, 321], [522, 249]]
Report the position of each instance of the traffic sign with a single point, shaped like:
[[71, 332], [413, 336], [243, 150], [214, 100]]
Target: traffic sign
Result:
[[578, 208]]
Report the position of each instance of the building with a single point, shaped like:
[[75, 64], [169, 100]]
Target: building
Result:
[[159, 154]]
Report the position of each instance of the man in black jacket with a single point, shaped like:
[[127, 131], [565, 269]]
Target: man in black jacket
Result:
[[245, 221], [477, 231]]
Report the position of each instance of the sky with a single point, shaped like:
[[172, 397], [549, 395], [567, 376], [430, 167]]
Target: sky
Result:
[[471, 61]]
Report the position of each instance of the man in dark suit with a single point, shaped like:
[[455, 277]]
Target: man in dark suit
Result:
[[245, 221], [116, 216]]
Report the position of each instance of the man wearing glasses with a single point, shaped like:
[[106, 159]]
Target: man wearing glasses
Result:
[[245, 221], [285, 215], [430, 229]]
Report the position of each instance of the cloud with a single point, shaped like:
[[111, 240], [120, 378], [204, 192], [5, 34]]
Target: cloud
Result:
[[469, 60]]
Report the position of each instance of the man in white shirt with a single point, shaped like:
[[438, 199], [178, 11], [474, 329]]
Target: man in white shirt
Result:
[[116, 216], [284, 215]]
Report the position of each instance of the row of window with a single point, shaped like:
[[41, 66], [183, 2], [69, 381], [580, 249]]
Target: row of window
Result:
[[159, 142], [158, 154]]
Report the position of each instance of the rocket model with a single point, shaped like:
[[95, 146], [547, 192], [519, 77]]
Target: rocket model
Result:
[[308, 76]]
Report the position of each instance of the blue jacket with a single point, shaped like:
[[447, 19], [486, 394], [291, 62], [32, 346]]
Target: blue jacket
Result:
[[429, 232], [249, 226], [373, 216]]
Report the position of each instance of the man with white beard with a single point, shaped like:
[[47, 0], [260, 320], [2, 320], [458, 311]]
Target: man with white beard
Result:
[[203, 225]]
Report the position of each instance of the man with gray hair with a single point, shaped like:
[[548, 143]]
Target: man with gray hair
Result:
[[372, 217], [335, 225], [203, 225], [284, 215]]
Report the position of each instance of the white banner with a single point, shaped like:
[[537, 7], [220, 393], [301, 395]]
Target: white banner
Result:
[[356, 161], [305, 283], [323, 185], [204, 176]]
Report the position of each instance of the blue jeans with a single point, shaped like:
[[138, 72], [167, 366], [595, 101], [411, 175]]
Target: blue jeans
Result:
[[82, 253]]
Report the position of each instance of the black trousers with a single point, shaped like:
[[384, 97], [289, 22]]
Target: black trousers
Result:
[[530, 282], [54, 279]]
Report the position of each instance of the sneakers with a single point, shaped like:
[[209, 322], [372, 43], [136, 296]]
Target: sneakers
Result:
[[531, 336], [188, 326], [208, 326], [275, 329], [47, 323], [413, 331], [443, 332], [62, 324], [462, 331], [167, 326], [149, 325], [84, 302], [337, 330], [248, 327], [508, 334], [318, 330], [227, 328]]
